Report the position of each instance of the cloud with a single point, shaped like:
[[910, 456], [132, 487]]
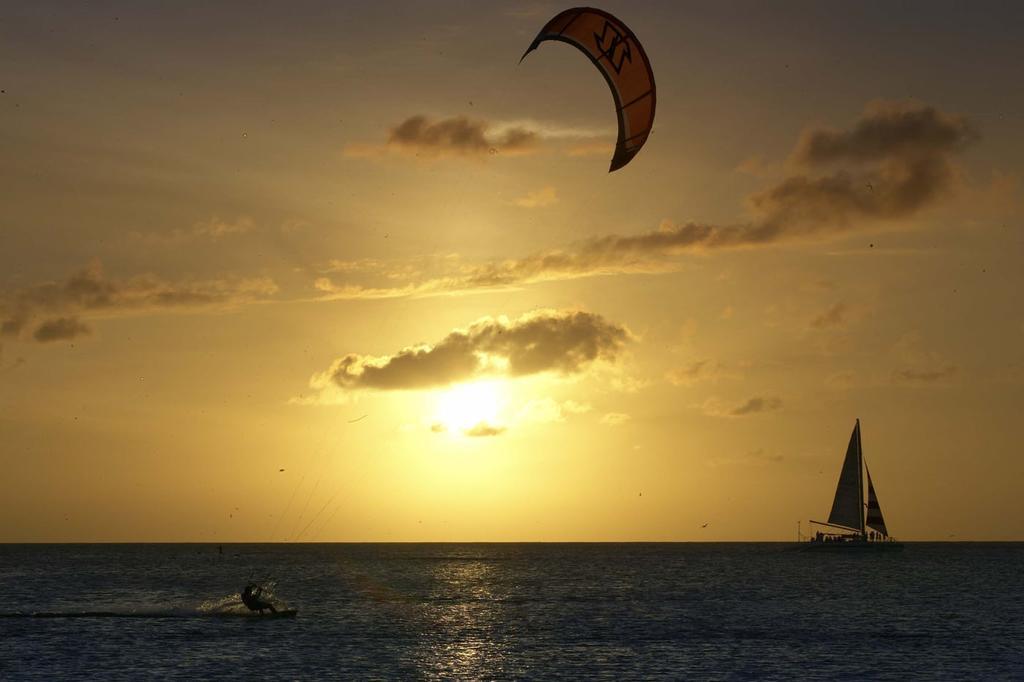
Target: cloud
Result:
[[215, 228], [897, 160], [888, 130], [573, 407], [758, 457], [538, 198], [481, 429], [929, 375], [615, 418], [835, 316], [484, 429], [685, 376], [755, 405], [563, 342], [628, 384], [842, 380], [698, 371], [90, 292], [457, 136], [60, 329], [613, 254], [547, 410], [716, 408], [917, 364], [464, 137]]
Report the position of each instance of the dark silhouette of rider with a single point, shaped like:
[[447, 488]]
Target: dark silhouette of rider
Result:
[[251, 597]]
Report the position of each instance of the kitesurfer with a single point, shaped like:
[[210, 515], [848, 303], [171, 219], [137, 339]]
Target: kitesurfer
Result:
[[251, 598]]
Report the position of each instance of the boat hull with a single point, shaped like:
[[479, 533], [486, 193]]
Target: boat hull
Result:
[[867, 547]]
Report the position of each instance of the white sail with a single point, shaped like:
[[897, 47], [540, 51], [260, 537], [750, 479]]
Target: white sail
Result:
[[874, 515], [846, 507]]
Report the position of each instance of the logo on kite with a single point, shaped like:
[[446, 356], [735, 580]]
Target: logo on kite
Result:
[[609, 52], [620, 58]]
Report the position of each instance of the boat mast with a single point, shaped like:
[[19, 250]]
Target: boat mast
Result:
[[860, 480]]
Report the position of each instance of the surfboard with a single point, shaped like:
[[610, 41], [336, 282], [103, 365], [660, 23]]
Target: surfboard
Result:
[[283, 613], [254, 615]]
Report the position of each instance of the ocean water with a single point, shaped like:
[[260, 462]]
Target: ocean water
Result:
[[501, 611]]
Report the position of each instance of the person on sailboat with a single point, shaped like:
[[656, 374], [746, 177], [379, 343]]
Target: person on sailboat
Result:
[[251, 597]]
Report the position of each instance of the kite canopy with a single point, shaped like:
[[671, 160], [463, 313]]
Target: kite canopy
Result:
[[613, 49]]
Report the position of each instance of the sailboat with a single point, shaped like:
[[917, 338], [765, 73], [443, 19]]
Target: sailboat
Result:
[[852, 523]]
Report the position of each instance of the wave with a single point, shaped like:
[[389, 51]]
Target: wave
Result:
[[144, 614], [230, 606]]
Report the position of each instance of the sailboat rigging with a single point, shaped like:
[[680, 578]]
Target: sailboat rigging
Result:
[[852, 522]]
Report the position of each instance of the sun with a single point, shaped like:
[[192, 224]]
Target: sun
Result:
[[462, 407]]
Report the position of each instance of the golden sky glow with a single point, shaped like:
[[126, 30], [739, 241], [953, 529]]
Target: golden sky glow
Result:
[[334, 272]]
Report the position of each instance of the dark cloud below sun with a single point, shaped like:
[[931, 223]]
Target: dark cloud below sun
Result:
[[562, 342]]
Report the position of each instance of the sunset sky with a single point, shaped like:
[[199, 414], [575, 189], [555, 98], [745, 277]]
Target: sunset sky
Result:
[[334, 272]]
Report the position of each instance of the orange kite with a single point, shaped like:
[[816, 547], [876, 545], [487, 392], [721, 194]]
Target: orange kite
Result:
[[613, 49]]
